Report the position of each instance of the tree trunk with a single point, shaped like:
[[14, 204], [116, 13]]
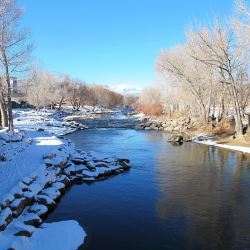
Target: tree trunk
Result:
[[9, 103], [4, 116], [60, 104], [238, 119]]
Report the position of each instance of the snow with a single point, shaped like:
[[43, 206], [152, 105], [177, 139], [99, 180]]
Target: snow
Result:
[[64, 235], [26, 162], [235, 148], [10, 136]]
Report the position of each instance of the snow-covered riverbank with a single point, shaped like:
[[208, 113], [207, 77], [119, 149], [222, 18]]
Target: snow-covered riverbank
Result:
[[226, 146], [35, 169]]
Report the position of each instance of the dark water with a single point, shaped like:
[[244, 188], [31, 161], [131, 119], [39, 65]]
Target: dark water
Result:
[[174, 197]]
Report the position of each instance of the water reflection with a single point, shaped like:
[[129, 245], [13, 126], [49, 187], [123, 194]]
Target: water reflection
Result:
[[208, 190]]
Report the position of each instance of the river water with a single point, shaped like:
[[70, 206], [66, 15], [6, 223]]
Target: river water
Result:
[[174, 197]]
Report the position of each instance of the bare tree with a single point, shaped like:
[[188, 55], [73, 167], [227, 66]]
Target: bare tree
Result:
[[182, 71], [219, 50], [13, 47], [62, 90], [41, 88]]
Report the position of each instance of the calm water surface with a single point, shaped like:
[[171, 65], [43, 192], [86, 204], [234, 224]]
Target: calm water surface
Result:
[[174, 197]]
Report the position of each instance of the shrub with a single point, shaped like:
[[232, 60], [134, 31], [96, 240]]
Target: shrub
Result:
[[155, 109]]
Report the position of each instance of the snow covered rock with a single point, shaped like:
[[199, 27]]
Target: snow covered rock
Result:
[[78, 161], [124, 163], [5, 218], [80, 168], [21, 229], [52, 192], [31, 219], [71, 170], [45, 200], [10, 136], [90, 165], [39, 209], [17, 206], [101, 165], [59, 186], [6, 200], [27, 181], [87, 173], [64, 179]]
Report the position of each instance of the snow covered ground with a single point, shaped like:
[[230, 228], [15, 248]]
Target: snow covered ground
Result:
[[36, 166], [235, 148], [52, 122], [209, 140]]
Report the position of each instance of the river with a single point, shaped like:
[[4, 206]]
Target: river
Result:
[[174, 197]]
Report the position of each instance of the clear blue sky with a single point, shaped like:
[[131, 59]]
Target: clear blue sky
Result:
[[112, 41]]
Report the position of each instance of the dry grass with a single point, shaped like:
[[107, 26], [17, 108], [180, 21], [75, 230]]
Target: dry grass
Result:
[[229, 140], [222, 128]]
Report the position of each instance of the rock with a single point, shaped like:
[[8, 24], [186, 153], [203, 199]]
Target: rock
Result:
[[124, 163], [39, 209], [101, 165], [50, 156], [143, 119], [8, 198], [87, 174], [139, 127], [40, 130], [18, 193], [17, 206], [90, 165], [45, 200], [80, 168], [2, 157], [71, 170], [78, 161], [5, 218], [176, 138], [27, 180], [23, 232], [31, 219], [124, 160], [21, 229], [59, 186], [64, 179], [52, 192]]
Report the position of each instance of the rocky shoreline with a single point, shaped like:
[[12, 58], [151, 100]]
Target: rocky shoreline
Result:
[[30, 202], [170, 125], [24, 207]]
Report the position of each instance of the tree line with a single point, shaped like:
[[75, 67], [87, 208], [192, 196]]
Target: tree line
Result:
[[45, 88], [208, 74]]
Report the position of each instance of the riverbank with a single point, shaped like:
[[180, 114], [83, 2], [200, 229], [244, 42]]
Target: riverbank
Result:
[[190, 129], [36, 167]]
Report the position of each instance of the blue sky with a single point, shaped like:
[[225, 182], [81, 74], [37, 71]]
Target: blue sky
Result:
[[112, 41]]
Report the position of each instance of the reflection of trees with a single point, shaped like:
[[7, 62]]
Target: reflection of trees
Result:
[[210, 188]]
